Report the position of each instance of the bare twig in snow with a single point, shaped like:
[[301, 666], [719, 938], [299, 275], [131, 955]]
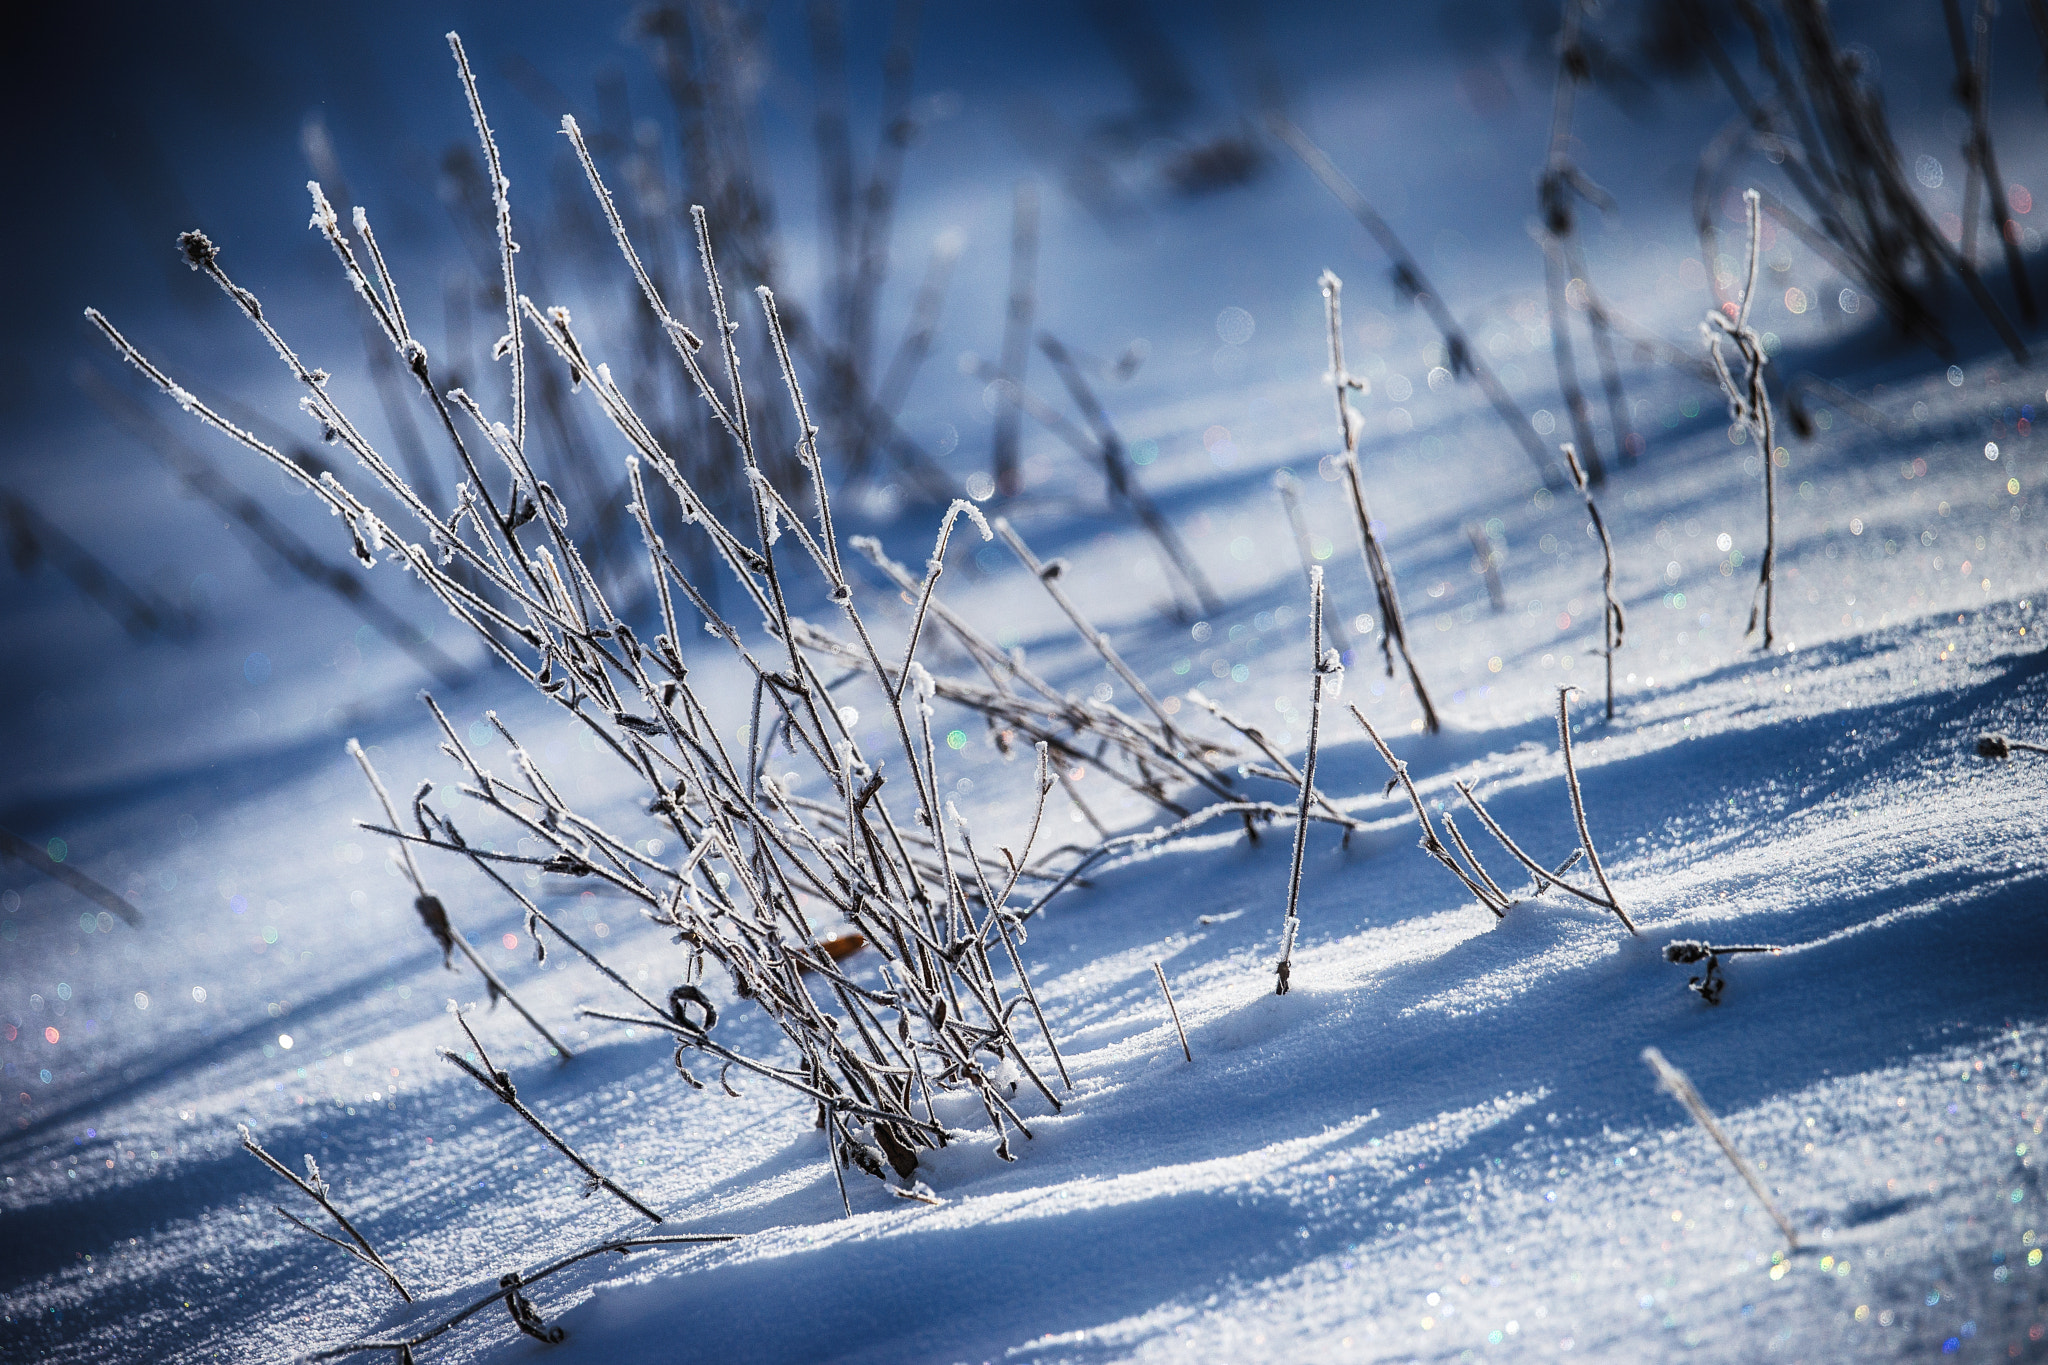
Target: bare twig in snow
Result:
[[435, 915], [1323, 665], [314, 1187], [1461, 354]]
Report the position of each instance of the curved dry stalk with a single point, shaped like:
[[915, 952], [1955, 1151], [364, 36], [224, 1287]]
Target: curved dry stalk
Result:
[[1482, 887], [509, 1287], [1571, 780]]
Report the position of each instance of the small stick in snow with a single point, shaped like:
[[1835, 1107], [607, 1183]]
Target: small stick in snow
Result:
[[499, 1083], [315, 1189], [1172, 1009], [1681, 1089], [1749, 405], [1323, 664], [1612, 622], [1995, 745], [1709, 985]]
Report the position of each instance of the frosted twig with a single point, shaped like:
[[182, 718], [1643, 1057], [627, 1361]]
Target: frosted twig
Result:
[[935, 566], [1322, 665], [1172, 1009], [1048, 575], [1284, 769], [1409, 277], [1749, 405], [314, 1187], [1478, 883], [1122, 482], [514, 340], [1680, 1087], [1571, 781], [1611, 618]]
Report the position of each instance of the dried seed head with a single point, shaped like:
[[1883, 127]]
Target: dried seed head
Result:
[[1993, 745], [200, 252]]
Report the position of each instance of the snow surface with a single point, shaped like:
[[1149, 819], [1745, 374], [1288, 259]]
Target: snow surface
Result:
[[1442, 1145]]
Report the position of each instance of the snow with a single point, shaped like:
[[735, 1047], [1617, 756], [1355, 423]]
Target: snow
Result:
[[1442, 1144]]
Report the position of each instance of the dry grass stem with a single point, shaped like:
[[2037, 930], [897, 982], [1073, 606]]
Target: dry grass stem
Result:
[[434, 914], [1472, 874], [1680, 1087], [1289, 489]]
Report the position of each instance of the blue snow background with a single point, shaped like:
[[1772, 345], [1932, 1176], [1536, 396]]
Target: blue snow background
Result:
[[204, 778]]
